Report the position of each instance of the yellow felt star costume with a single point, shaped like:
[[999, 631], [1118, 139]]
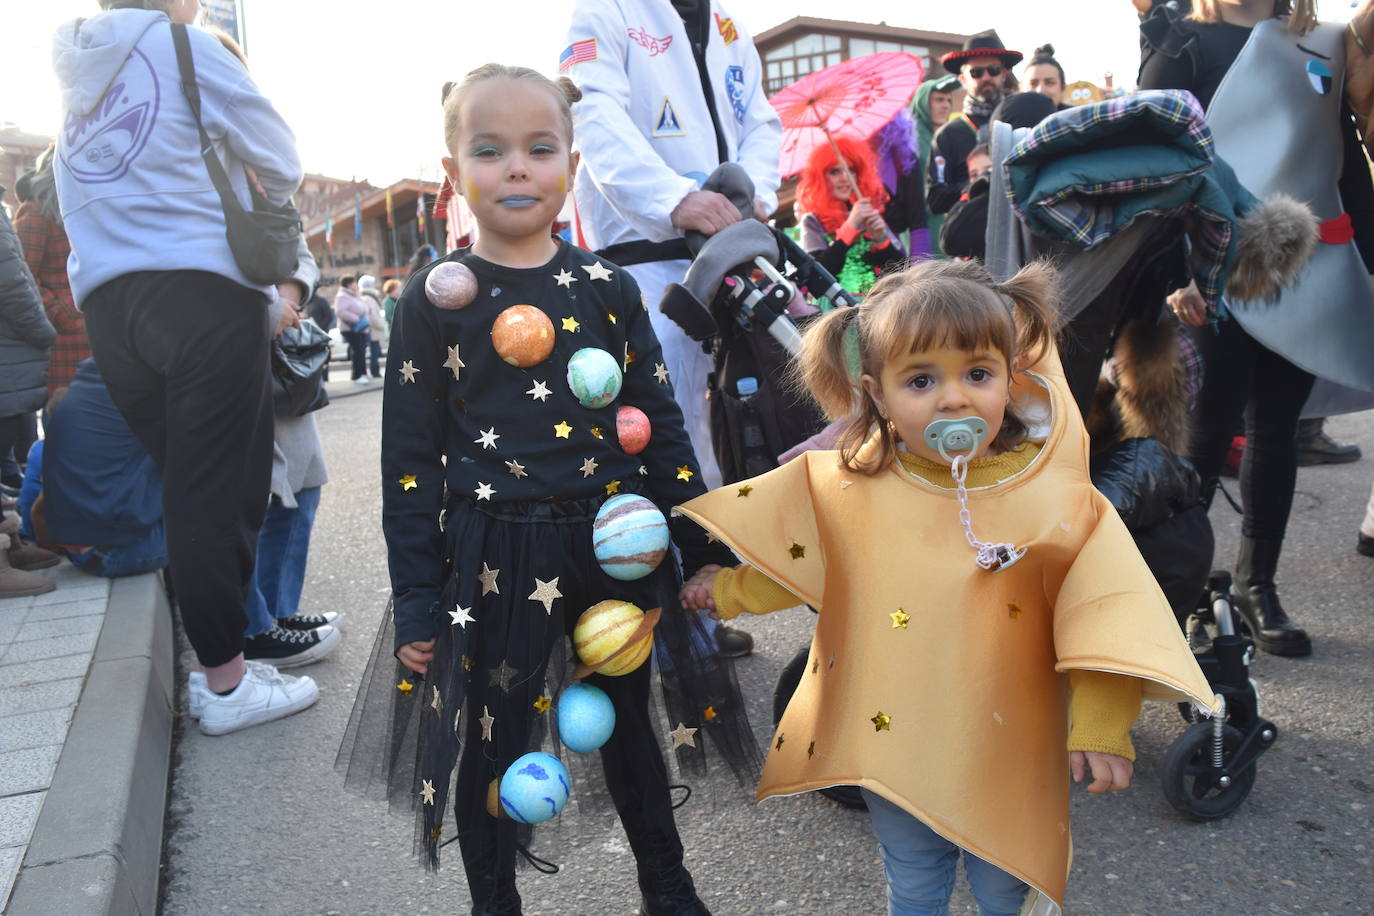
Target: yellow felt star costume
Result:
[[958, 716]]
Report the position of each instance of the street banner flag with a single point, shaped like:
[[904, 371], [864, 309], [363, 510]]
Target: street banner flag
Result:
[[389, 223], [357, 217], [420, 210], [329, 232]]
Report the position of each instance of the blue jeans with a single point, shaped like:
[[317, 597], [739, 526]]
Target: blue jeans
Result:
[[920, 868], [279, 574], [146, 554]]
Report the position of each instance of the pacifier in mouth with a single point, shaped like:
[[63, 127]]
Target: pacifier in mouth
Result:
[[962, 435]]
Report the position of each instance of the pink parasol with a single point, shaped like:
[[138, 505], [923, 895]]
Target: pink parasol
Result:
[[853, 98]]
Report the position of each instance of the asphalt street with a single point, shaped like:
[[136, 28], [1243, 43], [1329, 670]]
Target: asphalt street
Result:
[[259, 821]]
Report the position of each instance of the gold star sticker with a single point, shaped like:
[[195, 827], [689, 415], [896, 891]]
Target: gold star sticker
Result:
[[408, 482], [468, 664], [815, 665], [542, 704], [438, 829], [598, 271], [597, 432], [661, 373], [571, 324], [684, 473], [797, 551], [517, 469], [744, 491], [484, 491], [780, 740], [453, 363], [564, 278], [427, 792], [488, 438], [613, 488], [683, 735], [546, 592], [846, 484], [462, 616], [588, 467], [882, 722], [405, 686], [709, 714], [561, 430], [900, 619], [436, 703], [811, 749], [611, 315], [1014, 611], [629, 356], [487, 720], [408, 371], [488, 579], [539, 392]]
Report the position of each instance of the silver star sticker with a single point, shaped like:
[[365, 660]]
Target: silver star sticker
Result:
[[488, 438], [436, 703], [408, 371], [546, 592], [457, 716], [462, 616], [453, 362], [588, 467], [488, 577], [598, 271], [565, 278], [661, 373], [517, 469], [539, 392], [487, 720], [427, 792], [501, 677], [484, 491], [683, 735]]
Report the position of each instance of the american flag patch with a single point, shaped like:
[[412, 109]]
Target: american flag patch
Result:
[[579, 52]]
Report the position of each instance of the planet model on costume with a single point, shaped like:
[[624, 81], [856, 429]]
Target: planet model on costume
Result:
[[522, 336], [451, 285], [613, 638], [629, 537], [586, 718], [494, 799], [594, 377], [535, 788], [633, 429]]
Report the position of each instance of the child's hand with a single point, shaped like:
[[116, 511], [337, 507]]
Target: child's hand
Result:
[[1111, 772], [417, 655], [696, 592]]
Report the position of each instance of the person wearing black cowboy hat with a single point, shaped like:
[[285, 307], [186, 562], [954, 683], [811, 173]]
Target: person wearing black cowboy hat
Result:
[[980, 66]]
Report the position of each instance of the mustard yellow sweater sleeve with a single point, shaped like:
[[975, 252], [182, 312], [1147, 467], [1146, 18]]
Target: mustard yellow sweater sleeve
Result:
[[744, 588], [1102, 709]]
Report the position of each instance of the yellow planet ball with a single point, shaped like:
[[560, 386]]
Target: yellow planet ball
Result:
[[605, 629], [494, 799], [522, 336]]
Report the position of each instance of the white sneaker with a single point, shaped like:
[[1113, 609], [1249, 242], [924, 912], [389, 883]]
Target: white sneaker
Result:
[[264, 694], [364, 380], [196, 692]]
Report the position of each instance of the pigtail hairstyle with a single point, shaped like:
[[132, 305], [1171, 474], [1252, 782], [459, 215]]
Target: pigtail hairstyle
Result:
[[929, 305], [563, 90]]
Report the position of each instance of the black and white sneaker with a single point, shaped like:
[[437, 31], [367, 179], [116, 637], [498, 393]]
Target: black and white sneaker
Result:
[[289, 648], [310, 621]]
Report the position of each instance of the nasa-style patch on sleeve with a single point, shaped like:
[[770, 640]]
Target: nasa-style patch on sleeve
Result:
[[667, 124]]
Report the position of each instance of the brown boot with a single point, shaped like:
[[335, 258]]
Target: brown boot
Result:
[[16, 583], [26, 556]]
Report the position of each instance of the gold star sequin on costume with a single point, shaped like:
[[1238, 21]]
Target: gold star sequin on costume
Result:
[[517, 469], [797, 551], [613, 488], [561, 430], [405, 686], [571, 324], [1014, 611], [546, 592], [661, 373], [588, 467], [453, 363], [502, 675], [542, 704], [488, 438], [709, 714], [462, 616], [683, 735], [611, 315], [487, 720], [882, 722], [484, 491], [684, 473], [488, 579], [900, 619], [597, 432], [780, 740], [598, 271], [811, 749], [745, 491], [539, 392], [427, 792], [409, 482], [408, 371], [564, 278]]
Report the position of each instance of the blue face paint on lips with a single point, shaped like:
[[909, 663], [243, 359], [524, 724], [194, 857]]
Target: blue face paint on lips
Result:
[[517, 201]]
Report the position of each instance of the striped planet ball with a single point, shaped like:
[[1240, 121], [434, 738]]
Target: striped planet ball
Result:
[[629, 537], [594, 377], [586, 718], [605, 628], [535, 788]]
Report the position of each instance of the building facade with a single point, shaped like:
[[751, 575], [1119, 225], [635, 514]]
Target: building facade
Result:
[[18, 153], [805, 44], [353, 236]]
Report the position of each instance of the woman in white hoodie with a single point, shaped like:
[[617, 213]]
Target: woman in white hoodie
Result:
[[179, 333]]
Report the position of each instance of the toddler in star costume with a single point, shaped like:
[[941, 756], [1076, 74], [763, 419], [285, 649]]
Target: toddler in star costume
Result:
[[941, 665], [495, 460]]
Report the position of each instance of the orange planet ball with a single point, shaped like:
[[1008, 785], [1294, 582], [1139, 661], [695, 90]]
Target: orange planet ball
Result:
[[522, 335]]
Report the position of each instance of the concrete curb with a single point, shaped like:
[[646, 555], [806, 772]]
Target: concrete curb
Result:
[[97, 846]]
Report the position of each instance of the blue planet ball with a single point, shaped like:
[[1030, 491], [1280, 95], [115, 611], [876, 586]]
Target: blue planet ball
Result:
[[586, 718], [629, 537], [594, 377], [535, 788]]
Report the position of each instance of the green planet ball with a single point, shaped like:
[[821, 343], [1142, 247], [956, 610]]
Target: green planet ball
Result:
[[594, 377]]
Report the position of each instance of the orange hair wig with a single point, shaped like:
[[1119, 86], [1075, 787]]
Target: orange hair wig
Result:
[[813, 191]]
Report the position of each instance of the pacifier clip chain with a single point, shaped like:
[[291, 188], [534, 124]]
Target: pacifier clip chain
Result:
[[995, 557]]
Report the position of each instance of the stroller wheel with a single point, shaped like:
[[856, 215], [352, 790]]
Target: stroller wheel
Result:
[[791, 676], [1189, 713], [1188, 782]]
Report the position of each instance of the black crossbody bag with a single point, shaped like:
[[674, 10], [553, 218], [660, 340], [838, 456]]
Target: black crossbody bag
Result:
[[265, 241]]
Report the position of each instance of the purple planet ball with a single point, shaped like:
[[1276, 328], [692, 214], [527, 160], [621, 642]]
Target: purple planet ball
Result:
[[451, 286]]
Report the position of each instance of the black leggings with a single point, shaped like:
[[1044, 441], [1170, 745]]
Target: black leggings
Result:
[[1246, 378]]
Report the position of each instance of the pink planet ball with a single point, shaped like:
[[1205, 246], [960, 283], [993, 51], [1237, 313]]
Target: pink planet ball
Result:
[[522, 335], [451, 286], [633, 428]]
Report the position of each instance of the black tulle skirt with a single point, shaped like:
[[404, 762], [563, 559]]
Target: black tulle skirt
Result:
[[508, 665]]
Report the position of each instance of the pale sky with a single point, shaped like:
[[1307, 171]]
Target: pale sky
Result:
[[359, 80]]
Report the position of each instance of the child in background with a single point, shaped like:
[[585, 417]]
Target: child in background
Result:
[[493, 471], [936, 679]]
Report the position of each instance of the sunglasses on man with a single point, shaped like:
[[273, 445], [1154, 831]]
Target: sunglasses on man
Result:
[[991, 70]]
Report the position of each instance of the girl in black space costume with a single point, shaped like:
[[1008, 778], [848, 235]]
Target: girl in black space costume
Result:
[[492, 473]]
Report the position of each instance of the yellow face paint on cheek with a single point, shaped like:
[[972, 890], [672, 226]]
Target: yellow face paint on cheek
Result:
[[562, 184], [473, 194]]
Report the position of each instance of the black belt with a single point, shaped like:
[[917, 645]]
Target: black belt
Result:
[[642, 251]]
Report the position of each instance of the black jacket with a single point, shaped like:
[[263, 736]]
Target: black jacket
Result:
[[947, 171], [26, 335]]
